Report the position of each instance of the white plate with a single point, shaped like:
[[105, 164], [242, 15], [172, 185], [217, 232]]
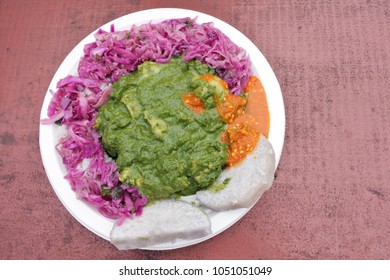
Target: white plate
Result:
[[49, 134]]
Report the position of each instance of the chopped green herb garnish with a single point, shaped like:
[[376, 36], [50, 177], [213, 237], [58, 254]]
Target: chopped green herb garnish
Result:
[[104, 191], [58, 122]]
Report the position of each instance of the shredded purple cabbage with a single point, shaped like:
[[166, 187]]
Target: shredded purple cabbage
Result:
[[116, 53], [76, 102]]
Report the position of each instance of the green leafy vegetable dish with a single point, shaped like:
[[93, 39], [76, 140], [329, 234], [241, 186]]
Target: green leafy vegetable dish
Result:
[[159, 144]]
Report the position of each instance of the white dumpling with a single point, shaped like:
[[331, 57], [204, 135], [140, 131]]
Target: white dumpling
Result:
[[162, 221], [248, 180]]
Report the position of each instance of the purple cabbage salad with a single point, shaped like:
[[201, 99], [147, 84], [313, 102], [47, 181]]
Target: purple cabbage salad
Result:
[[93, 176]]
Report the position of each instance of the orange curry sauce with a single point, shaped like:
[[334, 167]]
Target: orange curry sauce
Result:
[[193, 102], [247, 118]]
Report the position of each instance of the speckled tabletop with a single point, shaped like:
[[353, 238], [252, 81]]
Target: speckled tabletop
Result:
[[331, 195]]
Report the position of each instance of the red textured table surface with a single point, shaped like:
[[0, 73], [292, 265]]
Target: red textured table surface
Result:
[[331, 195]]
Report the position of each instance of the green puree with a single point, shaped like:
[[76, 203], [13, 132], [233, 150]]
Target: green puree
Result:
[[158, 143]]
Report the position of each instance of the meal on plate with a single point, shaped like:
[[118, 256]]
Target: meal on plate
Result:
[[159, 112]]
